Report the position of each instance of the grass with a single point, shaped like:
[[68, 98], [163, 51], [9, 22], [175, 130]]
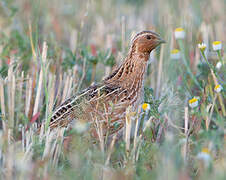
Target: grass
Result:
[[50, 50]]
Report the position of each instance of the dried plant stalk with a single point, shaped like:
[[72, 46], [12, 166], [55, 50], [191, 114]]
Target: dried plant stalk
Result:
[[28, 95], [128, 129], [75, 77], [66, 86], [70, 90], [219, 94], [31, 41], [186, 119], [211, 110], [159, 73], [11, 94], [19, 99], [136, 131], [73, 40], [9, 163], [152, 75], [39, 89], [59, 139], [83, 75], [110, 150], [2, 98], [51, 89], [58, 94], [13, 99], [48, 143], [99, 130]]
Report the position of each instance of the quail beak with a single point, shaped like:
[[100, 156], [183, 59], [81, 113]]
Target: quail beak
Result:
[[160, 40]]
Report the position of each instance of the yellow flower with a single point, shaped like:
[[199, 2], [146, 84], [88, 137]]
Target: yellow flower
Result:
[[193, 102], [179, 33], [175, 54], [205, 157], [146, 106], [202, 46], [205, 150], [179, 29], [216, 42], [218, 88], [175, 51], [217, 45]]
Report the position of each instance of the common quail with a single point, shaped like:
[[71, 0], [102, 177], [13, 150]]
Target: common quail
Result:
[[107, 101]]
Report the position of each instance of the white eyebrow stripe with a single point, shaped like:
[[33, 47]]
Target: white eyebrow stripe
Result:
[[140, 36]]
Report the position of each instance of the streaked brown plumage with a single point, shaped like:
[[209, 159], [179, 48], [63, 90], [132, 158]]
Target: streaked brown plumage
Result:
[[107, 101]]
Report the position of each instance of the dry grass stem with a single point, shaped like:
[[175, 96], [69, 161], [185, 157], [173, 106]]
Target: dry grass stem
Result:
[[186, 121], [40, 82], [2, 98], [28, 95], [158, 88], [51, 89], [110, 150], [128, 129]]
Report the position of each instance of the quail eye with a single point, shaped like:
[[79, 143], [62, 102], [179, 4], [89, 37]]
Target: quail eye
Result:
[[148, 37]]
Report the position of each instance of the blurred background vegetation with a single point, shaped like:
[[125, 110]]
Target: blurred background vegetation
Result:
[[86, 40]]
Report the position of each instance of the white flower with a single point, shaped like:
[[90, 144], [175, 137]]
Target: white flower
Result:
[[179, 33], [217, 45], [193, 102], [218, 65], [81, 126], [175, 54], [218, 88], [146, 107], [202, 46], [204, 155]]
